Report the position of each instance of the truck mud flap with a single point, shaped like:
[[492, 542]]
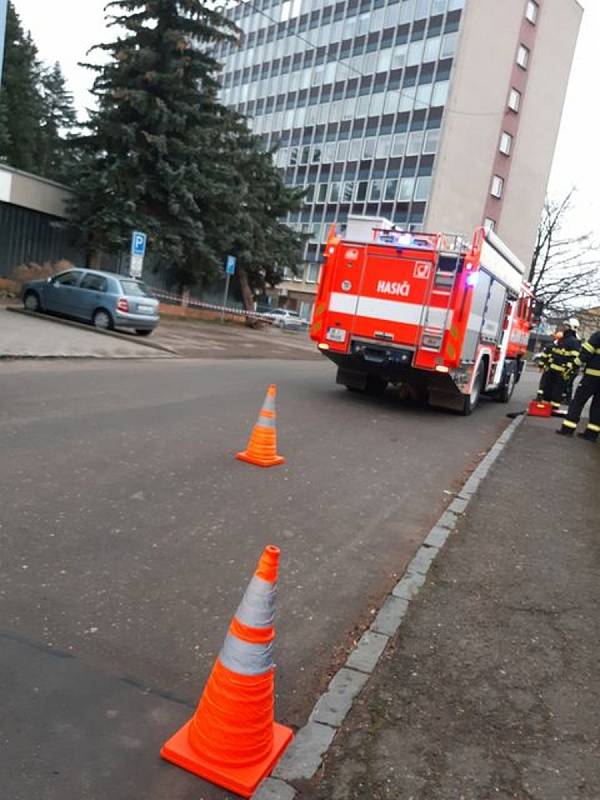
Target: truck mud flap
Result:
[[351, 378], [451, 401]]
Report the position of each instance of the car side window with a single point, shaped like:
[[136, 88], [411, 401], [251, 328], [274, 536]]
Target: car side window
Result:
[[96, 283], [67, 279]]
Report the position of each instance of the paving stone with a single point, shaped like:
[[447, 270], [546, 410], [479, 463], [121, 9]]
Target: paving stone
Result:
[[423, 560], [272, 789], [332, 707], [367, 652], [437, 536], [470, 487], [303, 757], [447, 520], [410, 584], [458, 505], [390, 615]]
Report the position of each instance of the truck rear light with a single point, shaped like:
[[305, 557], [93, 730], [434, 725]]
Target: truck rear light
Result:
[[123, 305], [336, 335], [432, 342]]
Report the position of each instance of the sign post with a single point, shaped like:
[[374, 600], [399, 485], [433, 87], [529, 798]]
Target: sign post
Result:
[[230, 266], [138, 251]]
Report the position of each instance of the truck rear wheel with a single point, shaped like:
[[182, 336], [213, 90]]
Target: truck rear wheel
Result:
[[374, 386], [471, 401], [505, 392]]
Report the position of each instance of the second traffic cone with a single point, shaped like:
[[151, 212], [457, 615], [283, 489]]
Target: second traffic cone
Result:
[[262, 447], [232, 739]]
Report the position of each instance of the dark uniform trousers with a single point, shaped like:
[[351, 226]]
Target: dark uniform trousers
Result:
[[589, 387], [552, 387]]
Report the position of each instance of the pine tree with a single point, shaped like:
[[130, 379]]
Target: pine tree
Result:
[[21, 99], [152, 157], [264, 245], [4, 133], [58, 120]]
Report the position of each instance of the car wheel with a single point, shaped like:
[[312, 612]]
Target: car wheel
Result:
[[102, 320], [471, 401], [143, 332], [31, 301]]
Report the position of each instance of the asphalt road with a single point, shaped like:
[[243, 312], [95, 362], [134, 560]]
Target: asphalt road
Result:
[[197, 339], [128, 533]]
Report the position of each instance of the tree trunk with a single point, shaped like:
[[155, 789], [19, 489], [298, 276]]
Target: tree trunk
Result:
[[247, 297]]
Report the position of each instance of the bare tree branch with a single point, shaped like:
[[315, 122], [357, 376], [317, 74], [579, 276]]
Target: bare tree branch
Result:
[[565, 270]]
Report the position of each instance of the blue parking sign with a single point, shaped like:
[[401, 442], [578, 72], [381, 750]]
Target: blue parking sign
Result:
[[138, 244], [230, 265]]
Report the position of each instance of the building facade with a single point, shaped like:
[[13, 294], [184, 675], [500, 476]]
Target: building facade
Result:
[[33, 221], [435, 114]]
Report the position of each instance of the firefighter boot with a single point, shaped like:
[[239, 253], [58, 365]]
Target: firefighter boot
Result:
[[588, 435], [566, 430]]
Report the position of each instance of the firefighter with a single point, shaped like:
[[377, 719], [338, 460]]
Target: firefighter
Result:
[[560, 363], [589, 387]]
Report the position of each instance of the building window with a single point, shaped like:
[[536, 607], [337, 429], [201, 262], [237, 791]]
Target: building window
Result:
[[405, 190], [506, 141], [322, 193], [432, 139], [375, 194], [532, 12], [489, 224], [312, 273], [497, 186], [422, 189], [514, 100], [523, 56]]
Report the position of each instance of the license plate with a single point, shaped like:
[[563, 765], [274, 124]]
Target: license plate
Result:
[[145, 309], [336, 335]]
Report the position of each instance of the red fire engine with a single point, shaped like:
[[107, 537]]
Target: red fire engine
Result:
[[447, 320]]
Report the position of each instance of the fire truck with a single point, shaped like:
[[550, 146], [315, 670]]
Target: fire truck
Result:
[[446, 319]]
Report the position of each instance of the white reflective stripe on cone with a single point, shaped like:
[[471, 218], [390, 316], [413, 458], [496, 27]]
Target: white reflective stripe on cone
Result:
[[245, 658], [269, 404], [257, 608], [266, 422]]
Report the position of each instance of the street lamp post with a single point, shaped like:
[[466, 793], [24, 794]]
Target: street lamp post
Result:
[[3, 10]]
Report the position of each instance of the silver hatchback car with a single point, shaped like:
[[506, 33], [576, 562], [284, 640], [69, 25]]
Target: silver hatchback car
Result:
[[105, 299]]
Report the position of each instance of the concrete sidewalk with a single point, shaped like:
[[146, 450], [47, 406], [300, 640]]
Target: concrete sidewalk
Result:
[[28, 336], [491, 688]]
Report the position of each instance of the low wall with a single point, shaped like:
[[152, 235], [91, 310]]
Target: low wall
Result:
[[182, 312]]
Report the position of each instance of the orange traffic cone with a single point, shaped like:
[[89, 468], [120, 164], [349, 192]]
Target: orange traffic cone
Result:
[[262, 447], [232, 739]]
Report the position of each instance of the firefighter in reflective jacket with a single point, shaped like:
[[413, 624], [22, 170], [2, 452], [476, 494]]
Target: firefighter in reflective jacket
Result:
[[589, 387], [560, 363]]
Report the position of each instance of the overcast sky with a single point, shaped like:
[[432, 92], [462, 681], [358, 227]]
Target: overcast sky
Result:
[[65, 29]]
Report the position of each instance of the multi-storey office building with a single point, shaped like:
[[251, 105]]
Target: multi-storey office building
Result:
[[436, 114]]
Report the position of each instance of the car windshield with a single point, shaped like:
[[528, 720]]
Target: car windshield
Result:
[[135, 289]]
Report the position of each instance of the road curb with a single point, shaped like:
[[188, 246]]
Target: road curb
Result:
[[305, 755], [90, 329]]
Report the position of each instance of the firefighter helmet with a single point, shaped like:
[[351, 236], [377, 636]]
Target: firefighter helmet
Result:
[[571, 323]]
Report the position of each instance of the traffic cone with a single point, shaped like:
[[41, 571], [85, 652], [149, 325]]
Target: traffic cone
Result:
[[262, 447], [232, 740]]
